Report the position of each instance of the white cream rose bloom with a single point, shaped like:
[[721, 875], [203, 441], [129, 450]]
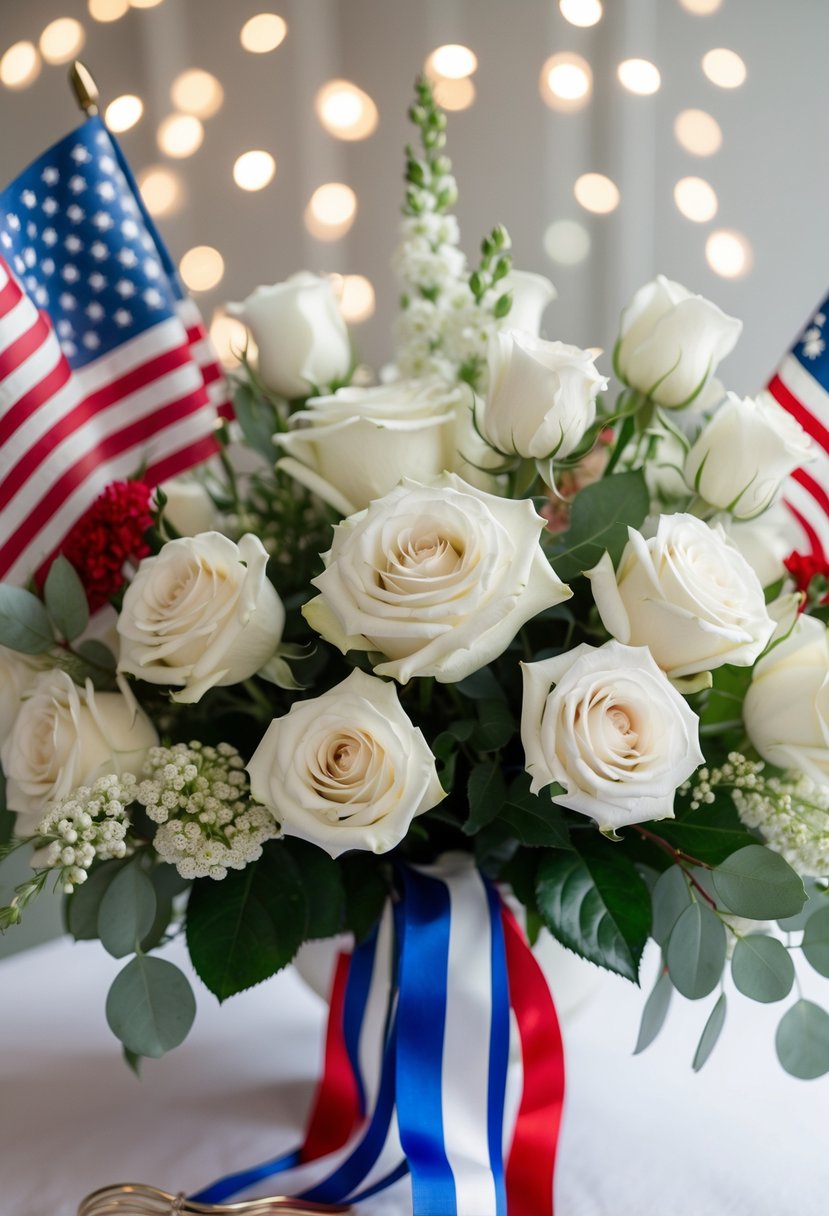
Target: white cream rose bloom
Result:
[[786, 708], [189, 507], [438, 579], [18, 673], [531, 293], [541, 396], [200, 614], [358, 443], [671, 342], [742, 455], [687, 594], [347, 770], [607, 724], [300, 334], [65, 736]]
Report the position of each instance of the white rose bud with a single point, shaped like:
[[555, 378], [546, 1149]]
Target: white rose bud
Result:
[[671, 342], [300, 333], [687, 594], [189, 508], [438, 579], [541, 397], [201, 613], [347, 770], [65, 736], [531, 293], [606, 723], [786, 708], [743, 454], [357, 444]]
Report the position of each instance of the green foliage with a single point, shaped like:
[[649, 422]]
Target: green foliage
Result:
[[258, 419], [711, 1033], [762, 968], [150, 1006], [496, 725], [66, 599], [696, 951], [599, 522], [710, 834], [127, 911], [759, 884], [534, 819], [655, 1012], [816, 941], [367, 887], [802, 1041], [24, 622], [597, 906], [83, 905], [486, 794], [7, 817], [324, 888], [816, 897], [671, 895]]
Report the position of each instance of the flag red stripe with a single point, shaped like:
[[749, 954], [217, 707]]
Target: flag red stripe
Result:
[[796, 408], [179, 461], [107, 449], [9, 296], [812, 536], [39, 395], [814, 488], [211, 373], [22, 348]]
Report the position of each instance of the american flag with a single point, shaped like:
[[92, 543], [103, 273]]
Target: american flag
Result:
[[106, 370], [801, 385]]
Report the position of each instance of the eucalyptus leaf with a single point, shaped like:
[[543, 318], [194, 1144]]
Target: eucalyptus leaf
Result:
[[759, 884], [487, 793], [150, 1006], [655, 1012], [599, 521], [696, 951], [816, 897], [802, 1041], [83, 905], [670, 897], [65, 599], [762, 968], [127, 911], [710, 1034], [24, 622], [816, 941]]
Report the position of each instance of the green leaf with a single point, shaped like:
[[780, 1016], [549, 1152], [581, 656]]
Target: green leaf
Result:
[[670, 897], [133, 1061], [599, 520], [534, 819], [710, 1034], [802, 1041], [167, 883], [487, 792], [816, 941], [65, 599], [710, 834], [366, 892], [480, 685], [696, 951], [757, 883], [96, 654], [257, 420], [150, 1006], [597, 906], [127, 911], [324, 890], [24, 622], [762, 968], [7, 818], [83, 905], [496, 725], [245, 928], [816, 897], [655, 1012]]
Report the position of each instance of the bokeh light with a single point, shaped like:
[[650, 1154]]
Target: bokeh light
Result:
[[123, 112], [107, 10], [253, 170], [263, 33], [161, 189], [144, 3], [597, 193], [202, 268], [345, 110], [331, 211], [230, 337], [583, 13], [701, 8], [451, 62], [698, 132], [567, 242], [566, 81], [724, 68], [20, 65], [639, 76], [356, 297], [696, 199], [454, 94], [180, 135], [61, 40], [728, 253], [197, 92]]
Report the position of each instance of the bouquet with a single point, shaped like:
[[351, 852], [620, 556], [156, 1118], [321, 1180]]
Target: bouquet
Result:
[[470, 607]]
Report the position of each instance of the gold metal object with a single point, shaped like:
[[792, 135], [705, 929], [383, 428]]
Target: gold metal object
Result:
[[83, 85], [133, 1199]]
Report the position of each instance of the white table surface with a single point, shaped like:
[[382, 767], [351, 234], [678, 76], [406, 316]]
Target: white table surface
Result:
[[642, 1136]]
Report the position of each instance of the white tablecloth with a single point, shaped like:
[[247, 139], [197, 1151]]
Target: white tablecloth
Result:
[[642, 1136]]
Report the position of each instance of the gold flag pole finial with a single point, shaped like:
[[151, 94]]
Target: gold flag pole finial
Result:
[[83, 85]]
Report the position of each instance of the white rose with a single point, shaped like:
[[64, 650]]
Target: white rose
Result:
[[531, 293], [189, 507], [541, 397], [743, 454], [18, 673], [671, 342], [687, 594], [606, 723], [764, 542], [786, 708], [438, 579], [301, 335], [201, 613], [346, 770], [66, 736], [357, 445]]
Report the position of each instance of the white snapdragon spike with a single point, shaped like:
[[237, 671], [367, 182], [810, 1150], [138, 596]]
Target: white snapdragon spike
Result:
[[347, 770], [300, 334], [90, 824], [606, 724], [438, 579], [357, 444], [200, 614], [786, 708], [200, 798], [687, 594], [743, 454], [541, 396], [65, 736], [671, 342]]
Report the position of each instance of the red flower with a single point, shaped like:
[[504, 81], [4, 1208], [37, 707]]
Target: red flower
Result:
[[109, 535], [805, 568]]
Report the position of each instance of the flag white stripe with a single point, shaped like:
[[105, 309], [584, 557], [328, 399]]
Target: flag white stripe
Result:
[[805, 388], [146, 347], [812, 512]]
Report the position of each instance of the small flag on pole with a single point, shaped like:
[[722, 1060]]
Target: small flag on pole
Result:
[[106, 370], [801, 385]]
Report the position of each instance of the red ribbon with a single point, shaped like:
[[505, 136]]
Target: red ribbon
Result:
[[335, 1113]]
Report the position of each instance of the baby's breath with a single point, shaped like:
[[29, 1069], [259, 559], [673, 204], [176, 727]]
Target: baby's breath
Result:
[[89, 824]]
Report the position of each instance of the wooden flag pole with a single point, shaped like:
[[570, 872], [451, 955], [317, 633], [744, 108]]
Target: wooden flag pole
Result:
[[83, 85]]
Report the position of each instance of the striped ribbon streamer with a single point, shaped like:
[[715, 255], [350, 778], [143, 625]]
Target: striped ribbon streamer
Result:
[[416, 1061]]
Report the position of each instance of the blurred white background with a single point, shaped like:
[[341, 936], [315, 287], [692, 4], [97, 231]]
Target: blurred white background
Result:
[[715, 172]]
